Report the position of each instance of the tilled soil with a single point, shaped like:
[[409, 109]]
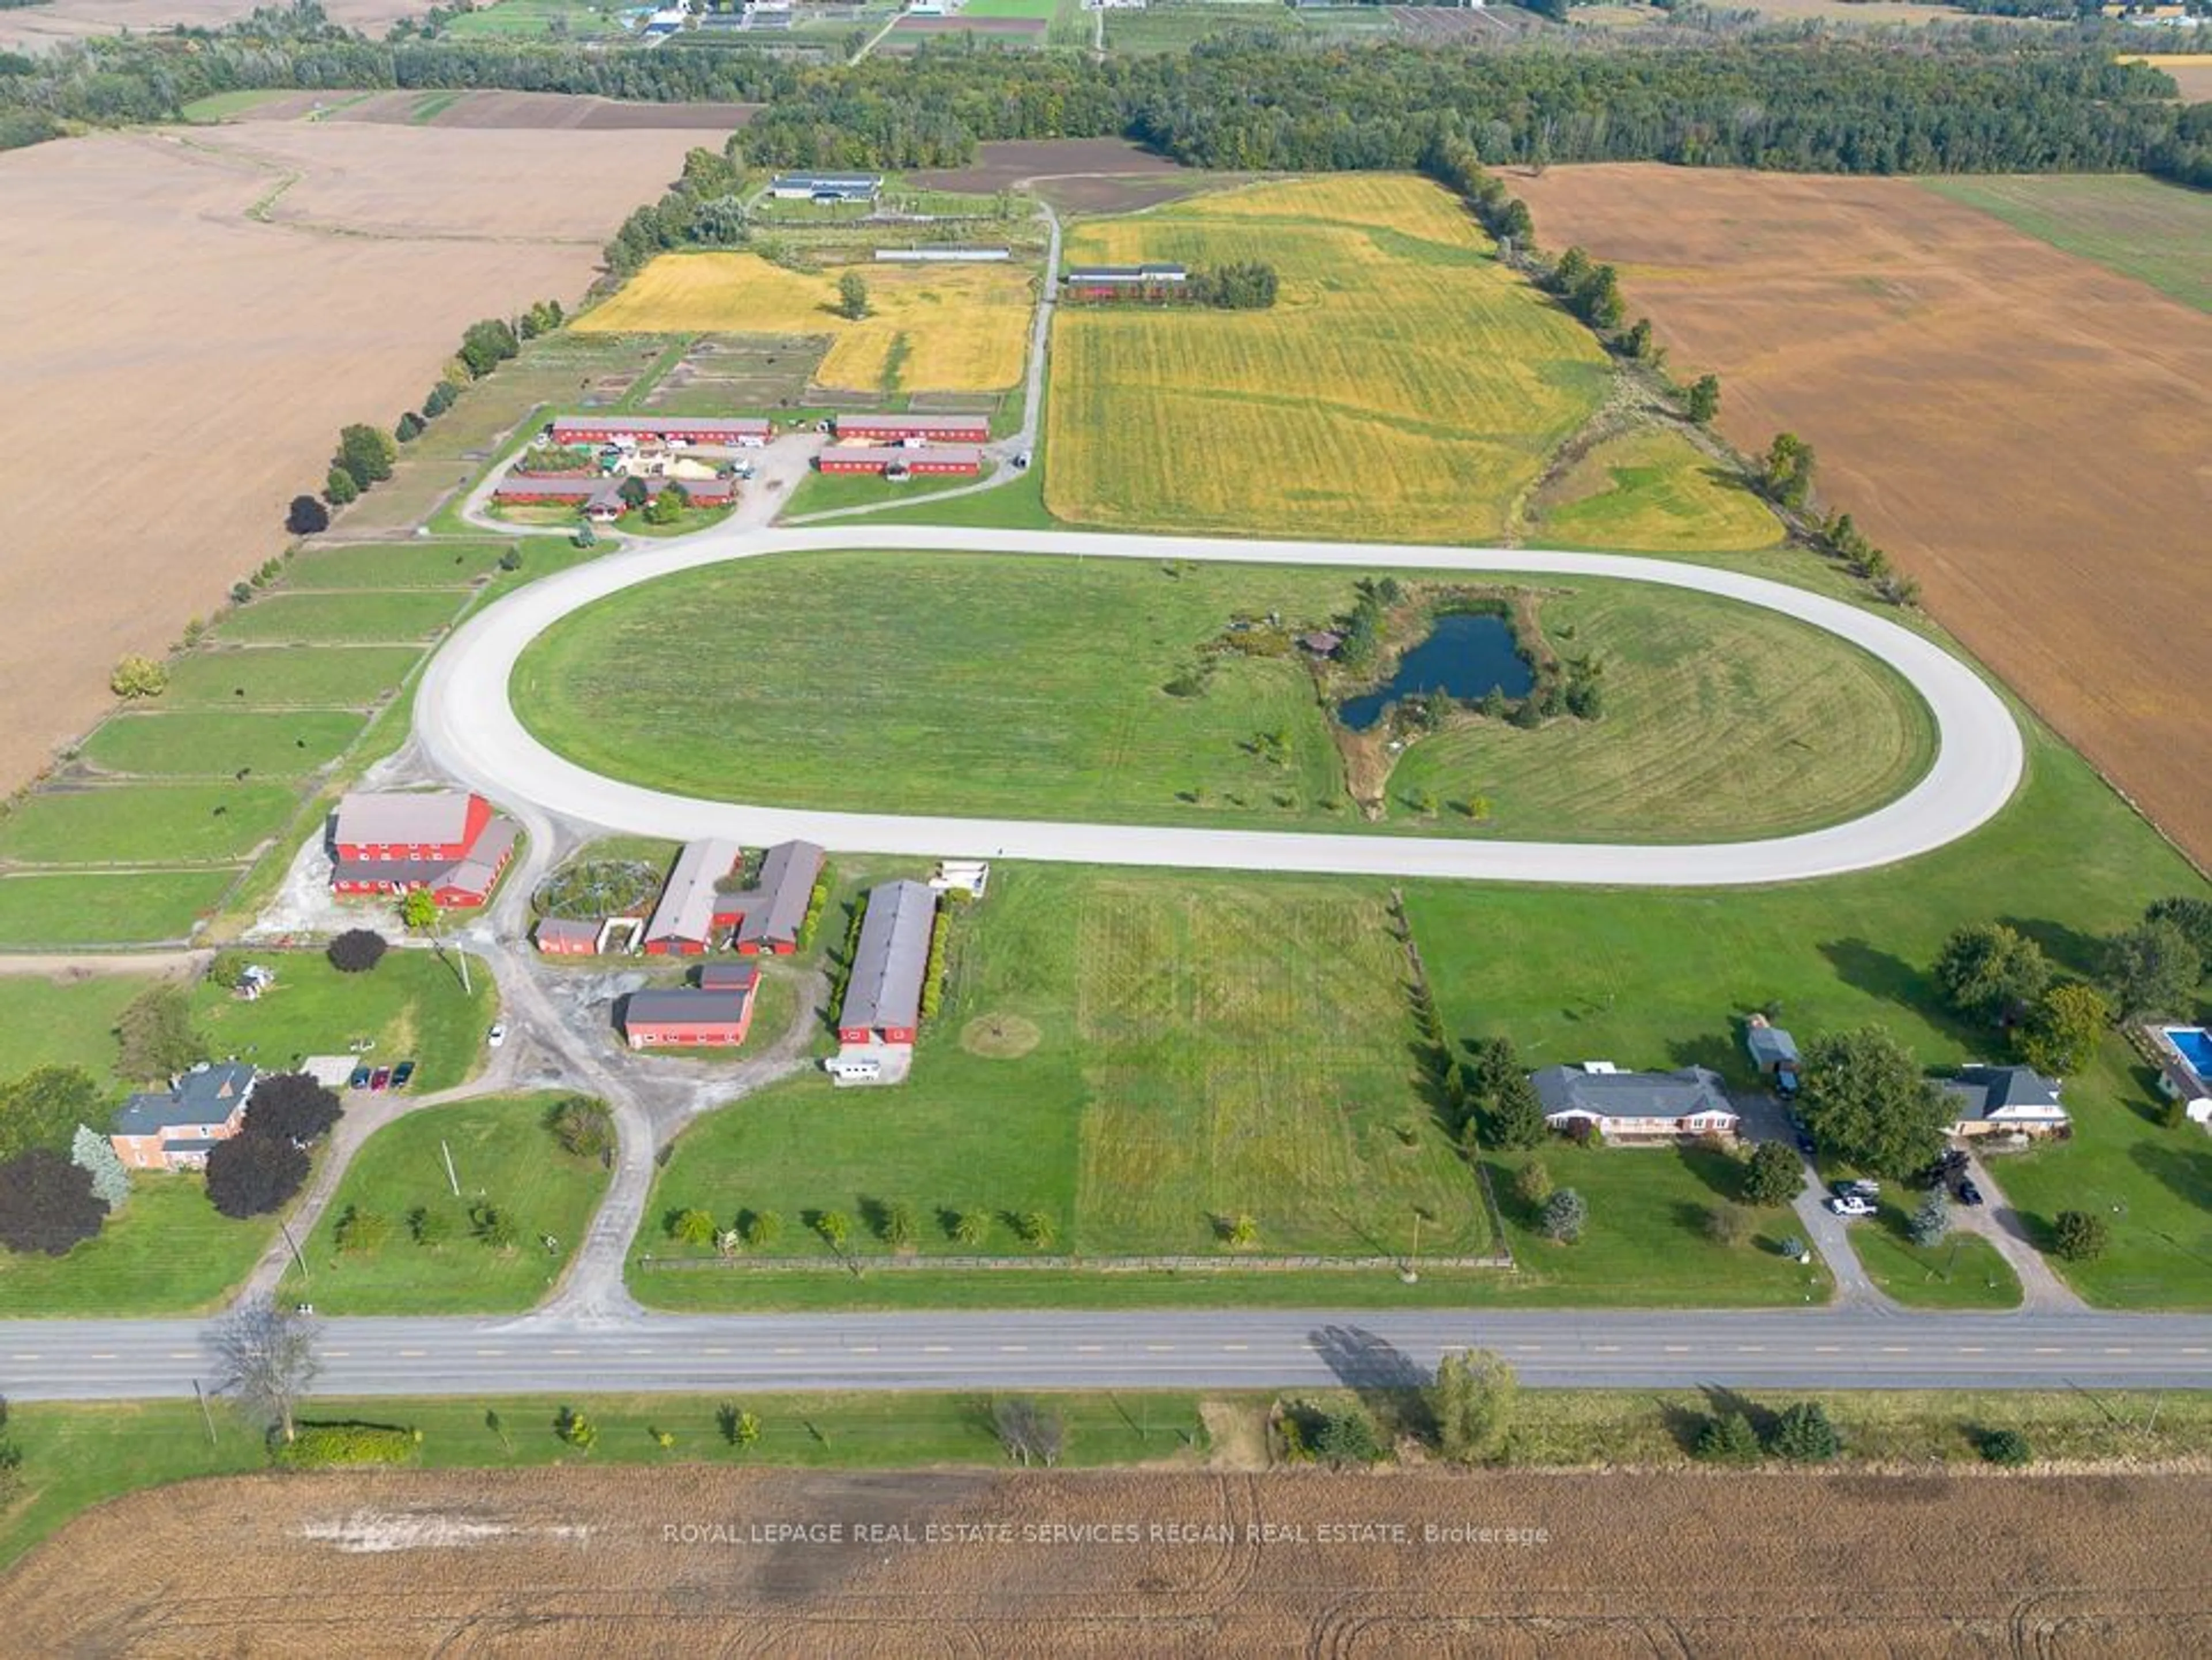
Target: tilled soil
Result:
[[783, 1563]]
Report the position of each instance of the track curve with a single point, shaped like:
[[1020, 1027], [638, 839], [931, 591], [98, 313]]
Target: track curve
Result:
[[466, 726]]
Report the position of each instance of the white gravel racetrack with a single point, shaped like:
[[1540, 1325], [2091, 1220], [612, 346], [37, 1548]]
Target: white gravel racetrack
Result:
[[467, 727]]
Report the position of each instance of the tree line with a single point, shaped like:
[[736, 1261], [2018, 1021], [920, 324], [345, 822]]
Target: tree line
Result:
[[1247, 101]]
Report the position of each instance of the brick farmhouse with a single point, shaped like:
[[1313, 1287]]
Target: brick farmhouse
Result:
[[176, 1130]]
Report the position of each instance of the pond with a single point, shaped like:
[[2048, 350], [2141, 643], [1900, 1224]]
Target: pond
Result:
[[1467, 655]]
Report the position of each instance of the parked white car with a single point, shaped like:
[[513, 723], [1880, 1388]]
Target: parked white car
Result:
[[496, 1036], [1850, 1204]]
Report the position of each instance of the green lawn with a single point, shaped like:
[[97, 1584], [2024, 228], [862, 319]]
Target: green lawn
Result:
[[439, 564], [508, 20], [218, 743], [124, 908], [341, 618], [63, 1022], [167, 1251], [503, 1155], [2152, 1185], [820, 492], [1036, 688], [1646, 1242], [2159, 233], [410, 1004], [288, 677], [143, 823], [1965, 1271], [1188, 1064]]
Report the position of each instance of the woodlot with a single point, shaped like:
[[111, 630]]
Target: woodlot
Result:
[[2023, 429], [207, 357], [695, 1560]]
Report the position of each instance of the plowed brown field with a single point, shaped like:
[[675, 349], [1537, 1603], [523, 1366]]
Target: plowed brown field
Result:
[[697, 1561], [177, 369], [31, 28], [2027, 432]]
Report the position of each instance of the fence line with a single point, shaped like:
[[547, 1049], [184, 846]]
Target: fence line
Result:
[[912, 1261]]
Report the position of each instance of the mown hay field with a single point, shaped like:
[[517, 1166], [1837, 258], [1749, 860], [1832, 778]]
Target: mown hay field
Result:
[[1946, 367], [950, 328], [1404, 385], [705, 1559], [1651, 490]]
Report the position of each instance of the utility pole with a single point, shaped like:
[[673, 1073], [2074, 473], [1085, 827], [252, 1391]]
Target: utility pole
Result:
[[451, 1180], [206, 1417], [306, 1278]]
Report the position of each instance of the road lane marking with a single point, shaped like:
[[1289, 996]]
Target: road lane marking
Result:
[[183, 1354], [2198, 1351], [937, 1348], [99, 1357], [2109, 1351], [1159, 1348], [1895, 1348], [25, 1357], [1827, 1348], [2051, 1351], [565, 1353], [1091, 1349], [788, 1349], [862, 1348], [716, 1353], [1236, 1348], [1519, 1348], [1678, 1348], [489, 1354], [1605, 1348], [1964, 1349], [1750, 1348], [1013, 1348], [336, 1354]]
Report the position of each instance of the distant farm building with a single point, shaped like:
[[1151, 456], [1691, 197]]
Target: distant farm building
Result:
[[739, 433], [600, 498], [900, 460], [1122, 282], [557, 936], [450, 844], [688, 1018], [942, 256], [826, 186], [728, 976], [692, 908], [175, 1130], [883, 997], [772, 912], [913, 428]]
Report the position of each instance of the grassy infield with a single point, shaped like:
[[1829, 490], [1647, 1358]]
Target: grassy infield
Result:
[[1134, 979]]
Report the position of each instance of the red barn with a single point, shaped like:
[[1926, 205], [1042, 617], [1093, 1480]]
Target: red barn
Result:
[[741, 432], [687, 1017], [525, 489], [558, 937], [900, 460], [883, 997], [446, 843], [691, 908], [921, 429], [774, 910]]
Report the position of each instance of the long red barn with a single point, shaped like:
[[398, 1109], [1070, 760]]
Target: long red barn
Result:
[[931, 429], [747, 433], [964, 458]]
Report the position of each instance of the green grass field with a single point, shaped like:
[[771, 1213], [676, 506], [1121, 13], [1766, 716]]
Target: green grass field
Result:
[[63, 1022], [410, 1004], [1036, 688], [1405, 385], [1188, 1064], [222, 743], [167, 1251], [504, 1156], [288, 677], [1965, 1271], [143, 823], [2157, 233], [398, 565], [340, 618], [124, 908], [1646, 1241], [2152, 1184], [509, 19], [1651, 490]]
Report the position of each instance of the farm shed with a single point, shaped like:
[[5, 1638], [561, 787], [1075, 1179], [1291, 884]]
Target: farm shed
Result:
[[740, 432], [918, 428], [687, 1018], [557, 936], [883, 997], [1122, 282], [773, 910], [1635, 1105], [826, 186], [962, 458], [728, 976], [174, 1129], [524, 490], [942, 256], [691, 907]]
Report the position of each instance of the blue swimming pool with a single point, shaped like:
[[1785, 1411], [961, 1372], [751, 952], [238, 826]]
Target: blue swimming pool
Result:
[[2195, 1045]]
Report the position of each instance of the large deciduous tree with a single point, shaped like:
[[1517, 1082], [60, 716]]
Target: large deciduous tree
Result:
[[266, 1360], [2152, 970], [157, 1035], [1772, 1175], [47, 1203], [292, 1107], [44, 1108], [2063, 1028], [254, 1175], [1988, 971], [356, 950], [2193, 917], [1866, 1103], [1473, 1402], [367, 452]]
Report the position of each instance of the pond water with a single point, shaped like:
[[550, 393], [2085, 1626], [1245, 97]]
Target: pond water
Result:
[[1467, 654]]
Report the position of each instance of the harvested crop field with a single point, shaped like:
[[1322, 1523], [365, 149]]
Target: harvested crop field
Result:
[[2140, 228], [34, 27], [1076, 175], [141, 290], [1946, 367], [936, 328], [539, 111], [697, 1560]]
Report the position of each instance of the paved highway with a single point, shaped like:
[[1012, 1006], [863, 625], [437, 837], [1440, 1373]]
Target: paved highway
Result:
[[1220, 1348], [467, 727]]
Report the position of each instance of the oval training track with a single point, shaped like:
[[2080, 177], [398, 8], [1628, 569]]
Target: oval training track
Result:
[[468, 729]]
